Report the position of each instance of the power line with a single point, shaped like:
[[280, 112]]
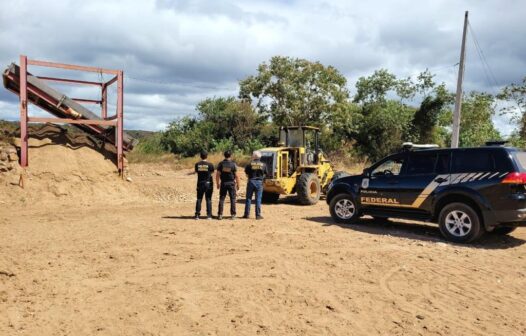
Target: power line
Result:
[[485, 65]]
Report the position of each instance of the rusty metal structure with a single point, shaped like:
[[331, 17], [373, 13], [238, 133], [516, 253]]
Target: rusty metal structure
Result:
[[34, 89]]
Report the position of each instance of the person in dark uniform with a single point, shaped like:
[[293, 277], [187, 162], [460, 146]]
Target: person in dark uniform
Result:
[[256, 172], [227, 181], [205, 185]]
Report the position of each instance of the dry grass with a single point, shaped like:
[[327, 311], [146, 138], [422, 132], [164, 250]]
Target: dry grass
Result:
[[348, 163], [138, 157], [241, 160], [183, 162]]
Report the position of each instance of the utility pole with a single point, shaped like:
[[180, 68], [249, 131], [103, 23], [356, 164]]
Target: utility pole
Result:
[[458, 99]]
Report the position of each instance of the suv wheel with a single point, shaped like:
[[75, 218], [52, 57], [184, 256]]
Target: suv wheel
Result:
[[460, 223], [343, 209]]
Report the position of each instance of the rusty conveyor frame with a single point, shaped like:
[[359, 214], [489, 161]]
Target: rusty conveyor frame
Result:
[[68, 110]]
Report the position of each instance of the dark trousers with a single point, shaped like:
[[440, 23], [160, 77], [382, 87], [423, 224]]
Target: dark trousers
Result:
[[204, 189], [254, 187], [230, 189]]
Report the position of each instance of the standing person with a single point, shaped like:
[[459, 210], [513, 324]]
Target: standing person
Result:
[[256, 172], [205, 185], [227, 181]]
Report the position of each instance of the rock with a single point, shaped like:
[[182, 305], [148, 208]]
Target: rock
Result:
[[3, 156], [59, 190], [4, 167], [13, 157], [420, 317], [129, 179]]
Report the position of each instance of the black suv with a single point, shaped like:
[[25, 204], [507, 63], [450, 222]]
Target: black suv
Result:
[[468, 191]]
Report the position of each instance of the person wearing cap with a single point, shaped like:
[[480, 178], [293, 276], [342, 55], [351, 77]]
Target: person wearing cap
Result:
[[227, 181], [256, 172], [205, 185]]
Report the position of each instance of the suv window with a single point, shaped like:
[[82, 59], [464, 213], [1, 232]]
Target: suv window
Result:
[[465, 161], [503, 160], [421, 163], [443, 162], [390, 167], [520, 158]]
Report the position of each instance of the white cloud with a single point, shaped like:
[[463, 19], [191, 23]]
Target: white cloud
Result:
[[177, 52]]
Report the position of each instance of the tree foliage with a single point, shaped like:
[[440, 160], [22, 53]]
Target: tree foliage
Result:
[[516, 95], [384, 112], [476, 120], [293, 91], [221, 123], [426, 121]]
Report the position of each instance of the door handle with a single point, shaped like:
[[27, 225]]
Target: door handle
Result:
[[440, 179]]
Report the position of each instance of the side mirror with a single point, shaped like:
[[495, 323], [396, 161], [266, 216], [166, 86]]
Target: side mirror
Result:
[[366, 172]]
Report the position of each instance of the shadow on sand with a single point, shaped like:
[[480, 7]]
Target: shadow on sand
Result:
[[74, 140], [419, 231]]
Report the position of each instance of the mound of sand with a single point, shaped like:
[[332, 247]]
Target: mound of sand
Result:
[[65, 165]]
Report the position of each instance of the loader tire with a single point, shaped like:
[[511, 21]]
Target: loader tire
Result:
[[308, 189]]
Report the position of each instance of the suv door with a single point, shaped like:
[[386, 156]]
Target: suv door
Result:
[[380, 187], [426, 172]]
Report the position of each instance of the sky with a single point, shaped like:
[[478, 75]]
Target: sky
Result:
[[175, 53]]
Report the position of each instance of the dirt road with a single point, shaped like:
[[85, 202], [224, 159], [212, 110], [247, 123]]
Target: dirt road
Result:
[[146, 268]]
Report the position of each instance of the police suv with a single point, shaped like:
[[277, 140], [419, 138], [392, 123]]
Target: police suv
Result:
[[468, 191]]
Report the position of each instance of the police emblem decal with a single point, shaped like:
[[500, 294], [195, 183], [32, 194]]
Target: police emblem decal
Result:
[[365, 183]]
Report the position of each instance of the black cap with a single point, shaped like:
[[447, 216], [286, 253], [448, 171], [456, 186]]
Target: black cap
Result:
[[228, 153]]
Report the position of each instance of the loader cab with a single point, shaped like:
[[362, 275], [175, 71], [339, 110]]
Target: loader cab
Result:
[[302, 139]]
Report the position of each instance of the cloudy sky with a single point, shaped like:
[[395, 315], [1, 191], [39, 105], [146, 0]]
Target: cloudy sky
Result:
[[176, 52]]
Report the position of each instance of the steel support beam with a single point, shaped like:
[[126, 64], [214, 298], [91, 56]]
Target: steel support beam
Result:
[[23, 112], [89, 101], [72, 67], [104, 102], [70, 81], [72, 121], [111, 81], [120, 123]]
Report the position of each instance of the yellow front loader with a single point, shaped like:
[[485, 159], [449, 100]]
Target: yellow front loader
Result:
[[297, 166]]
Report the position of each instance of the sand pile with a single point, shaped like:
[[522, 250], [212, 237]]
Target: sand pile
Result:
[[62, 165]]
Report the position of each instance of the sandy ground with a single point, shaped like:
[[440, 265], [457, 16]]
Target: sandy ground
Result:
[[127, 265]]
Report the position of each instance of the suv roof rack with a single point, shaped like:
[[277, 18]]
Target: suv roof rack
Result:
[[411, 146], [496, 143]]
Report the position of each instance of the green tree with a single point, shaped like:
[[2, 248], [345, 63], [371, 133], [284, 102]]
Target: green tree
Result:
[[230, 118], [426, 126], [221, 123], [374, 89], [516, 94], [382, 128], [293, 91], [383, 124], [476, 125], [425, 83]]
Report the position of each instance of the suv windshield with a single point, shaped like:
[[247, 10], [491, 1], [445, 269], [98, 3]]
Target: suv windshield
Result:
[[389, 167]]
